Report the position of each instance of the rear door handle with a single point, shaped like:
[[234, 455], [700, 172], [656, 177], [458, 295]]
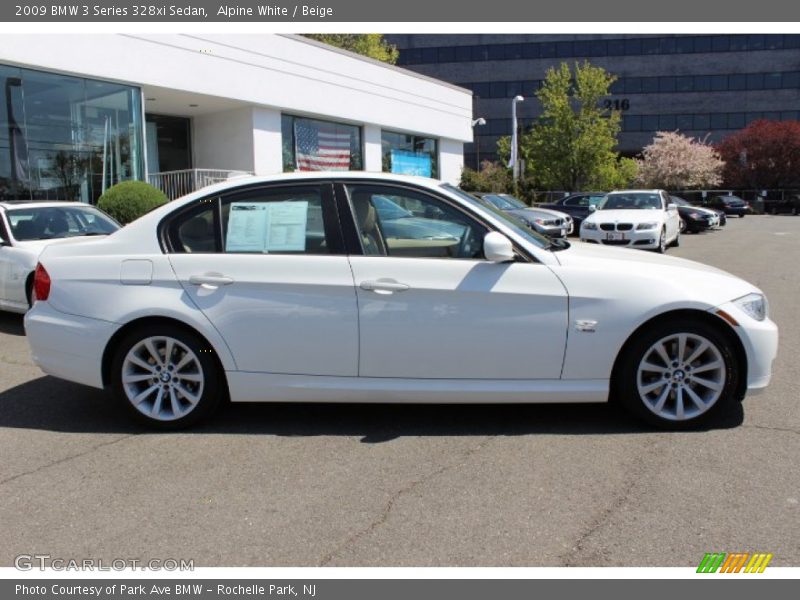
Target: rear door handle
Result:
[[210, 282], [384, 286]]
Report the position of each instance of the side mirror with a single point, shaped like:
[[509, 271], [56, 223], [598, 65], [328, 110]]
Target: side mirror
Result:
[[497, 247], [592, 208], [672, 206]]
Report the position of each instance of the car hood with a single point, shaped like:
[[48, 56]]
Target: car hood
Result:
[[636, 215], [649, 273], [538, 213]]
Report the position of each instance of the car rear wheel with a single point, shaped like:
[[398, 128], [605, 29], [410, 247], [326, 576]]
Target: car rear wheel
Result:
[[678, 375], [166, 376]]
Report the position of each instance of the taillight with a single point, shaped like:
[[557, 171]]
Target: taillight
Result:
[[41, 283]]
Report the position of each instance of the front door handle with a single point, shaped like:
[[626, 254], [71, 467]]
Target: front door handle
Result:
[[210, 281], [384, 286]]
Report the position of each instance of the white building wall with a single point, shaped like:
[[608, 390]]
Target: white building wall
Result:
[[372, 148], [451, 160], [267, 141], [224, 140]]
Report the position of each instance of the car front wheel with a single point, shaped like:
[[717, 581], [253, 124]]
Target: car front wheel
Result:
[[678, 375], [167, 377], [662, 242]]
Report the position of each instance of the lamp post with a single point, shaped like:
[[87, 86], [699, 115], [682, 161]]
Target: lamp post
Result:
[[480, 121], [514, 161]]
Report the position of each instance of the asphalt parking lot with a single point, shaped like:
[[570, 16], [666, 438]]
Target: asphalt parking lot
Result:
[[343, 485]]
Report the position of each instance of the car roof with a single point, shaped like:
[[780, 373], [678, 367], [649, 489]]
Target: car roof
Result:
[[6, 204]]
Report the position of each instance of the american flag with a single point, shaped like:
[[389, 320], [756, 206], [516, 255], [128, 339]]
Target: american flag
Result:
[[321, 148]]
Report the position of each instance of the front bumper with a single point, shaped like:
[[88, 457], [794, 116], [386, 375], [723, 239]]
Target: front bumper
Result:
[[645, 239], [760, 342], [67, 346]]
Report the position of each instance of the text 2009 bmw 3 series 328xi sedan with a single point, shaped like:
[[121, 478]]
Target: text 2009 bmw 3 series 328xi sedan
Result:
[[301, 288]]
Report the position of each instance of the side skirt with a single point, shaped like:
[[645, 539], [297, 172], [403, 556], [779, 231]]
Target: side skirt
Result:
[[265, 387]]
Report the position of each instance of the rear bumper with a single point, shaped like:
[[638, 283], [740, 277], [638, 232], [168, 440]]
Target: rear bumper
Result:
[[67, 346]]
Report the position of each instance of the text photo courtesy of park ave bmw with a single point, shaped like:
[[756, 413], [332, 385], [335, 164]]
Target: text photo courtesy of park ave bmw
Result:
[[511, 301]]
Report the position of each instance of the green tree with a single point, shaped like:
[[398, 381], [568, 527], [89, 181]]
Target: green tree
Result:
[[367, 44], [572, 145], [493, 177]]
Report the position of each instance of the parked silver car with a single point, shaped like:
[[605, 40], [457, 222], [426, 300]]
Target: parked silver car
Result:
[[551, 223]]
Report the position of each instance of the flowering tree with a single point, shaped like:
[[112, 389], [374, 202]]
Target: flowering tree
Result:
[[763, 155], [674, 161]]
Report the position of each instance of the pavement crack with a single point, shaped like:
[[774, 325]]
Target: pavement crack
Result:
[[573, 558], [383, 516], [66, 459], [771, 428]]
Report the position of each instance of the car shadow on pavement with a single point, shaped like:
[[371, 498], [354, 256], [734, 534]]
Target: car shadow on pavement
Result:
[[50, 404], [11, 324]]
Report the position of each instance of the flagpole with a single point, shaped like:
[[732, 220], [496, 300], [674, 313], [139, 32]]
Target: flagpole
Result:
[[514, 162]]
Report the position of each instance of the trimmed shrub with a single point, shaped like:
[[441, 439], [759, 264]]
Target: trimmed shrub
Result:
[[129, 200]]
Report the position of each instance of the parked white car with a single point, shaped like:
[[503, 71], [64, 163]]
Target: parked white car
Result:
[[288, 288], [644, 219], [26, 228]]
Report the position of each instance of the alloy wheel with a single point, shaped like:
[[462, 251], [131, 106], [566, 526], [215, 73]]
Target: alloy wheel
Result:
[[162, 378], [681, 376]]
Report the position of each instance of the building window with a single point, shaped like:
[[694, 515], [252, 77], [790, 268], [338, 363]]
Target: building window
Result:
[[66, 138], [314, 145], [409, 154]]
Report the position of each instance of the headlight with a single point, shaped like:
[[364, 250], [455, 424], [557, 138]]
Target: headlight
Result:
[[694, 215], [539, 221], [641, 226], [590, 226], [754, 305]]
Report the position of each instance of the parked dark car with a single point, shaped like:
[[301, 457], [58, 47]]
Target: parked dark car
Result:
[[576, 205], [730, 205], [790, 205], [694, 219]]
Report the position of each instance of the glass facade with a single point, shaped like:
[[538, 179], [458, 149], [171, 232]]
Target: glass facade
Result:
[[66, 138], [409, 154], [789, 80], [689, 44], [315, 145]]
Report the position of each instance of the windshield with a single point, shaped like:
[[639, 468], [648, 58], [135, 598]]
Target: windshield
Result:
[[517, 225], [504, 201], [632, 201], [389, 210], [49, 222]]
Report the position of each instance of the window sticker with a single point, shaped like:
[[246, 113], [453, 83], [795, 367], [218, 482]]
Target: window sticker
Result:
[[267, 227]]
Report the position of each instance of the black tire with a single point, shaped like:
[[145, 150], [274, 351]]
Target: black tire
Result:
[[741, 216], [662, 242], [625, 388], [677, 241], [209, 372], [29, 290]]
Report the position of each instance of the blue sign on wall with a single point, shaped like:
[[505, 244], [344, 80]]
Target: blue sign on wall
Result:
[[411, 163]]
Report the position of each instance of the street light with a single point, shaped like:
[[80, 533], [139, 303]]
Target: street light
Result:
[[477, 123], [514, 160]]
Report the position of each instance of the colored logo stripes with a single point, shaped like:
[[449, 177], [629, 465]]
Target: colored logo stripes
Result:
[[735, 562]]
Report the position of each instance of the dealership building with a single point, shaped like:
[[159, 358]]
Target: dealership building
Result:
[[80, 113], [702, 85]]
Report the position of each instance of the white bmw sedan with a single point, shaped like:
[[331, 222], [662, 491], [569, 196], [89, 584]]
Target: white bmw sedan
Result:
[[298, 288], [645, 219], [26, 228]]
